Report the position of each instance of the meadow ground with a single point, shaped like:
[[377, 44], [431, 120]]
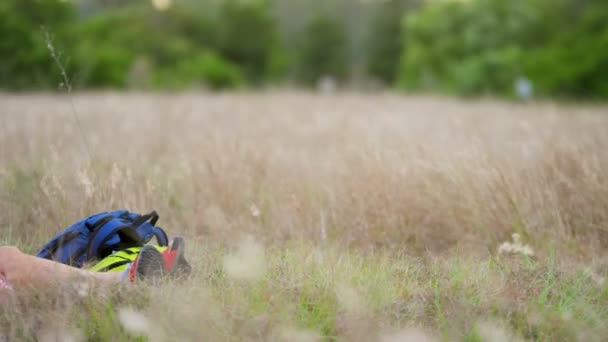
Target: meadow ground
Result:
[[346, 217]]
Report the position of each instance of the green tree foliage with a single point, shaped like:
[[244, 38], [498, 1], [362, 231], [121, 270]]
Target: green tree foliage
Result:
[[468, 47], [202, 68], [482, 46], [323, 51], [572, 59], [175, 47], [24, 56], [385, 42], [108, 45], [465, 47], [106, 54], [248, 36]]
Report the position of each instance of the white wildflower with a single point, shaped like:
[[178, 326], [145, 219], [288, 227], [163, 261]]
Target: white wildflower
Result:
[[348, 298], [496, 332], [408, 335], [255, 211], [133, 321], [82, 288], [115, 176], [46, 186], [50, 186], [298, 335], [59, 334], [87, 184], [150, 187], [505, 248], [248, 262], [161, 5], [526, 250], [596, 278], [323, 226], [515, 247]]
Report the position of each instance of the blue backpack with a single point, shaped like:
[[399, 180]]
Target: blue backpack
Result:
[[98, 236]]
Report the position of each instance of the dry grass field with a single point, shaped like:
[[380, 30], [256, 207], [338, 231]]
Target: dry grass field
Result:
[[350, 217]]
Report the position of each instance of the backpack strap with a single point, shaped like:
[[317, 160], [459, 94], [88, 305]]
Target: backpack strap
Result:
[[159, 233], [50, 249], [106, 232], [161, 236], [152, 217], [111, 225]]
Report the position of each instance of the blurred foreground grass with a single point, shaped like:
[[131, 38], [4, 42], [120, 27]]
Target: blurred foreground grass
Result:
[[340, 217], [312, 293]]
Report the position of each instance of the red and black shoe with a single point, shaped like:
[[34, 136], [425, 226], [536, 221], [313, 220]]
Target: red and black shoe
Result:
[[176, 265], [149, 266]]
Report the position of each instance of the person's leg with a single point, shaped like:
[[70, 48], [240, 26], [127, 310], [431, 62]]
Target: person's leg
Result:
[[22, 270]]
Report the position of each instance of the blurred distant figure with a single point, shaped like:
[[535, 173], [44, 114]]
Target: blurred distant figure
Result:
[[140, 73], [326, 85], [524, 89]]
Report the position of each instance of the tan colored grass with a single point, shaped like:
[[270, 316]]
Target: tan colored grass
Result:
[[374, 171], [367, 217]]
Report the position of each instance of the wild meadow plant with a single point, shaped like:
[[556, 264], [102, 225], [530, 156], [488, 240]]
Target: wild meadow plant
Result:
[[354, 217]]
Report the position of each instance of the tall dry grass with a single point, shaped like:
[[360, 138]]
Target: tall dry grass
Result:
[[425, 175], [352, 216]]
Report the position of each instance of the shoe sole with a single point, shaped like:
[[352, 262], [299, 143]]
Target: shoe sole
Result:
[[180, 266], [150, 265]]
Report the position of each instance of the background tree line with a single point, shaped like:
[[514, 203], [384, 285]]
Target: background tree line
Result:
[[462, 47]]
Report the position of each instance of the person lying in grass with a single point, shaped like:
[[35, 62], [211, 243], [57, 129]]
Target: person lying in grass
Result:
[[152, 263]]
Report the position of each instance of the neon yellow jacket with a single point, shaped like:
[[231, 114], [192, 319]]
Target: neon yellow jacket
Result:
[[118, 261]]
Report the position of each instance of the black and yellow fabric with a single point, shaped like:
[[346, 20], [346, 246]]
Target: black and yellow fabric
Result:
[[118, 261]]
